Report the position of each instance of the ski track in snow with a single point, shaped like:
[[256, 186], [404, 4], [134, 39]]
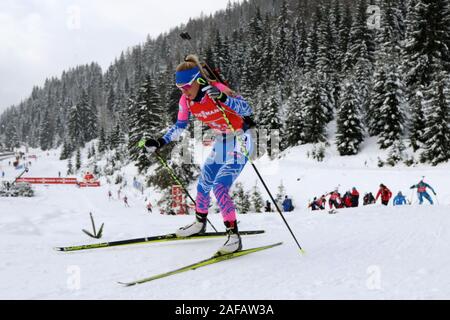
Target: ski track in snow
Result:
[[372, 252]]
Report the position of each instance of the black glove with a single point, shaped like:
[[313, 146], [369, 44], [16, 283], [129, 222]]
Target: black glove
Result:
[[216, 94], [152, 145]]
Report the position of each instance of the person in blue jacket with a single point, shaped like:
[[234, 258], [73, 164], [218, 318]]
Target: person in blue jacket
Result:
[[422, 191], [399, 199], [287, 204]]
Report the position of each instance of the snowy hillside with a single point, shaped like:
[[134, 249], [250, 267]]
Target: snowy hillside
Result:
[[371, 252]]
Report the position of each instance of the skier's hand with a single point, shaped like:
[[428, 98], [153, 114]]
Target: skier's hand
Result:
[[216, 94], [151, 145]]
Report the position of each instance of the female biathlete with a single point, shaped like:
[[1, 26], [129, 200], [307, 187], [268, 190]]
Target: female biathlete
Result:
[[200, 96]]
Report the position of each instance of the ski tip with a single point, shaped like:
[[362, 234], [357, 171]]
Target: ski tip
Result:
[[126, 284], [58, 249]]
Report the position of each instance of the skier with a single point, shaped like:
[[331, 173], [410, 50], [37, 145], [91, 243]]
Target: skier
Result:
[[287, 204], [368, 198], [355, 197], [399, 199], [268, 207], [335, 199], [200, 96], [316, 204], [125, 200], [422, 191], [385, 193], [109, 195], [149, 207]]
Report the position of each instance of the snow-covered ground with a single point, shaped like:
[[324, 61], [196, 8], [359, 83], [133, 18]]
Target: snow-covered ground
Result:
[[372, 252]]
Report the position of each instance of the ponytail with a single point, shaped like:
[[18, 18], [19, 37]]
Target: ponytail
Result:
[[192, 61]]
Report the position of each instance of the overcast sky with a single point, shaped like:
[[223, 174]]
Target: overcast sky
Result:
[[41, 38]]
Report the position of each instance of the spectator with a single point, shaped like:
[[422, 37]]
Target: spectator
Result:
[[368, 199], [335, 200], [355, 197], [268, 207], [385, 194], [287, 204], [347, 199], [399, 199]]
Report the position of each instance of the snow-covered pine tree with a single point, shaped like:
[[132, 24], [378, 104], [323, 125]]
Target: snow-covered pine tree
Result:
[[295, 115], [279, 197], [268, 115], [376, 99], [75, 124], [281, 53], [437, 130], [116, 137], [78, 160], [312, 44], [46, 132], [417, 122], [257, 200], [391, 113], [349, 128], [314, 104], [426, 49], [396, 153], [388, 89], [66, 151], [146, 120], [102, 145], [241, 198], [88, 116], [69, 167]]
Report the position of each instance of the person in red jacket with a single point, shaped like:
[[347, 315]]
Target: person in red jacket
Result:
[[355, 197], [347, 199], [385, 193], [335, 199]]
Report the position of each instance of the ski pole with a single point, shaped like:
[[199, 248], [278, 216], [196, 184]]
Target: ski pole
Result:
[[175, 178], [185, 36]]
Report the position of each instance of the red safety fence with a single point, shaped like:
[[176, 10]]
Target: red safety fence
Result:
[[49, 180]]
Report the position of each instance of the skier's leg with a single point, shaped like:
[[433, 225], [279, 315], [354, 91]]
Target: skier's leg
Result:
[[204, 187], [234, 164], [428, 197], [224, 180], [420, 195]]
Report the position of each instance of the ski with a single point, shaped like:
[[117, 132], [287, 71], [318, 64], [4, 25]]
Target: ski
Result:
[[214, 259], [161, 238]]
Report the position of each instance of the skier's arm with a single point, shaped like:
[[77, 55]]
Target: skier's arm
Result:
[[378, 194], [236, 103], [428, 186], [182, 122]]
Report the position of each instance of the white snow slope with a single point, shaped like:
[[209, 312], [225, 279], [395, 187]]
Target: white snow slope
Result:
[[372, 252]]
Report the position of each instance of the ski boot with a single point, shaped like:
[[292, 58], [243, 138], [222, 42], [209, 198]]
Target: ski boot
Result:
[[233, 243], [197, 227]]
